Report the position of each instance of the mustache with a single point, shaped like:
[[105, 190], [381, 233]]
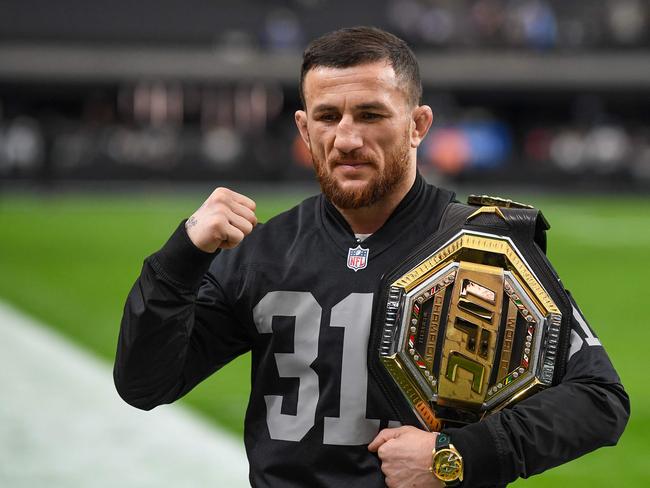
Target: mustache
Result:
[[355, 157]]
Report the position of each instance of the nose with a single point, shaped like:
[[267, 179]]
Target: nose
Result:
[[347, 137]]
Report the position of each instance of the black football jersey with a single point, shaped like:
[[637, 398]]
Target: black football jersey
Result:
[[299, 293]]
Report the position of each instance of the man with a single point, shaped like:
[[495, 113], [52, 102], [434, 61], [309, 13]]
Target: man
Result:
[[297, 295]]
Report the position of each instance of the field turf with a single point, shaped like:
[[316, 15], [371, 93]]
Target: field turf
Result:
[[70, 260]]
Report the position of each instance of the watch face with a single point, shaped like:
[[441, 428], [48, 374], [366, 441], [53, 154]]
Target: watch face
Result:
[[447, 465]]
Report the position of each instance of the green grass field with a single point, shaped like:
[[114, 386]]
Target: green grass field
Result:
[[70, 261]]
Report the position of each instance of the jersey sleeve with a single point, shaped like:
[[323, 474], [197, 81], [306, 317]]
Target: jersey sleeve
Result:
[[588, 409], [178, 325]]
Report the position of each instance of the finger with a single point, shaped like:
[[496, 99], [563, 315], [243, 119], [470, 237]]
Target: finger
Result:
[[382, 437], [240, 222], [226, 196], [243, 200], [233, 237], [245, 212], [384, 451]]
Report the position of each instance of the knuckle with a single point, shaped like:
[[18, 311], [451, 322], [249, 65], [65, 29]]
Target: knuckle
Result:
[[220, 207], [389, 477], [219, 235], [219, 224], [219, 195], [383, 433], [220, 220], [382, 452]]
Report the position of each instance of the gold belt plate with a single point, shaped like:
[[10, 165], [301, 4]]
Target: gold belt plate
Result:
[[469, 330]]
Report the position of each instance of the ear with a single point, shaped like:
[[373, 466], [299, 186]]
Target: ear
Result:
[[301, 122], [422, 118]]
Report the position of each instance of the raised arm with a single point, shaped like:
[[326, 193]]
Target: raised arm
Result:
[[178, 326]]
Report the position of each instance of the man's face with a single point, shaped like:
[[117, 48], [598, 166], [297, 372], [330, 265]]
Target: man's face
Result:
[[360, 130]]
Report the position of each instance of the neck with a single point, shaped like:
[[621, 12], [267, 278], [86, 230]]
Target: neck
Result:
[[368, 220]]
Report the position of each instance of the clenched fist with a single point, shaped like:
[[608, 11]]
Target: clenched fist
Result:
[[406, 455], [223, 220]]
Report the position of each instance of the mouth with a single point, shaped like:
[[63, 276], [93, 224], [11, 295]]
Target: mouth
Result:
[[351, 163]]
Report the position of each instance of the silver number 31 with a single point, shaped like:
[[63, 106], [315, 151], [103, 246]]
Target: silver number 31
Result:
[[353, 313]]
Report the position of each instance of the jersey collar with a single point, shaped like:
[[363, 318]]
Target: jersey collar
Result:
[[410, 211]]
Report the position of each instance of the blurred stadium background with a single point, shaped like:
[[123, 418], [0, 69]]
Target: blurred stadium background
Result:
[[117, 118]]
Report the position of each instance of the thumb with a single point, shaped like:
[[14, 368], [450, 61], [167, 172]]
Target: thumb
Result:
[[382, 437]]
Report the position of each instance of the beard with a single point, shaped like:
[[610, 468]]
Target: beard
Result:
[[383, 183]]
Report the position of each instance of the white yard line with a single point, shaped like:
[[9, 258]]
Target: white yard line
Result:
[[63, 425]]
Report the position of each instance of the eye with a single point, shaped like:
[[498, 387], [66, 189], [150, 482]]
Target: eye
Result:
[[371, 116], [327, 117]]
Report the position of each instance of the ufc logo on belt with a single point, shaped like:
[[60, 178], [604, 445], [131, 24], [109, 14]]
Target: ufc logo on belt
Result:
[[471, 332]]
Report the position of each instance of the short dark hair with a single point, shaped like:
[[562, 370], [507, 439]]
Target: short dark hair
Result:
[[353, 46]]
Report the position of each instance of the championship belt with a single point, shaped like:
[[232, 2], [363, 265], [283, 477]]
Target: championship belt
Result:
[[473, 321]]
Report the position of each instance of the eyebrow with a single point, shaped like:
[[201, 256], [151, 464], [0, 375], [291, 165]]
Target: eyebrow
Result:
[[323, 107], [371, 106]]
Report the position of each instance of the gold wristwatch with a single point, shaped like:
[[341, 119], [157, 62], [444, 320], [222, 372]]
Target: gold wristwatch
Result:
[[447, 463]]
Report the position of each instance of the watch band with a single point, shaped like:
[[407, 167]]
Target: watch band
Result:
[[443, 441]]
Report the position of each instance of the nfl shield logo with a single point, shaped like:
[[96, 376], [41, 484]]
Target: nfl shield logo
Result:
[[358, 258]]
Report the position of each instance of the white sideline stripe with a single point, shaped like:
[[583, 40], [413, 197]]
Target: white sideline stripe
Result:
[[62, 424]]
